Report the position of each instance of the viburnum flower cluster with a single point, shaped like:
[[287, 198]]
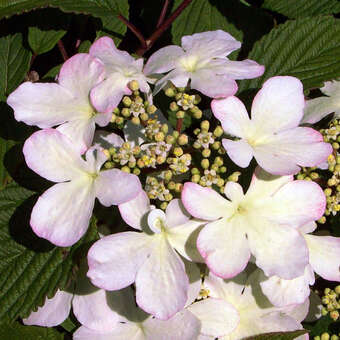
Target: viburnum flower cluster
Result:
[[202, 257]]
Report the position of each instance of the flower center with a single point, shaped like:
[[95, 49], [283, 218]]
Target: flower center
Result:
[[189, 63]]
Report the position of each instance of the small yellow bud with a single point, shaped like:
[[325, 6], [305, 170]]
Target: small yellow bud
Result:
[[167, 175], [328, 192], [322, 220], [337, 289], [127, 101], [195, 178], [205, 163], [159, 137], [135, 120], [182, 139], [175, 134], [314, 175], [136, 171], [113, 118], [205, 125], [335, 145], [195, 171], [197, 99], [334, 315], [119, 120], [133, 85], [178, 187], [216, 145], [180, 114], [140, 163], [170, 139], [222, 170], [197, 114], [218, 132], [163, 205], [206, 153], [173, 106], [151, 109], [165, 128], [126, 146], [106, 153], [171, 185], [170, 92], [334, 337], [181, 89], [126, 169], [116, 111], [234, 176], [331, 182], [144, 117], [168, 197], [218, 160], [220, 182], [325, 336], [108, 165], [178, 151]]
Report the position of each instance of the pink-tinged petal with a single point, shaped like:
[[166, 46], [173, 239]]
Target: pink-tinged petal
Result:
[[264, 184], [107, 140], [114, 260], [276, 322], [80, 74], [282, 292], [213, 84], [105, 50], [205, 337], [163, 60], [324, 256], [95, 158], [121, 331], [308, 228], [298, 312], [116, 187], [210, 44], [331, 88], [80, 132], [234, 191], [103, 119], [279, 250], [53, 156], [53, 312], [318, 108], [205, 203], [224, 247], [278, 105], [156, 220], [232, 114], [176, 213], [299, 146], [296, 203], [245, 69], [218, 317], [182, 326], [184, 237], [178, 77], [44, 105], [240, 152], [93, 309], [161, 282], [106, 96], [62, 213], [134, 212]]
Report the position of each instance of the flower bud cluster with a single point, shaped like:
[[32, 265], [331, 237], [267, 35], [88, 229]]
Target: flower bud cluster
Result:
[[331, 302]]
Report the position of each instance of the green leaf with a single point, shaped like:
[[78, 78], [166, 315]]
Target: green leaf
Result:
[[307, 48], [5, 145], [16, 331], [69, 325], [302, 8], [14, 63], [52, 73], [30, 268], [200, 16], [278, 335], [10, 7], [84, 47], [43, 41], [173, 120]]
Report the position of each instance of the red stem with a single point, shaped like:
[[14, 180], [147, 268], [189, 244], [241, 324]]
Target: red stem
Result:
[[163, 13], [179, 125], [160, 30], [62, 50], [134, 29]]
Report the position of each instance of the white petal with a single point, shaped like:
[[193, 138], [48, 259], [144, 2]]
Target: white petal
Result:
[[278, 105], [62, 213], [134, 212], [44, 105], [218, 317], [103, 119], [53, 156], [224, 247], [245, 69], [156, 220], [80, 74], [107, 95], [195, 281], [80, 132], [232, 114], [205, 203], [95, 158], [210, 44], [176, 213], [107, 140], [182, 326], [308, 228], [213, 84], [114, 260], [161, 282], [324, 256], [279, 250], [240, 152], [318, 108], [234, 191], [184, 237], [53, 312], [163, 60], [116, 187], [282, 292], [331, 88]]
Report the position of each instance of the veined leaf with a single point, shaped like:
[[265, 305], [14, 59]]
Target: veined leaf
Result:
[[302, 8], [30, 268], [307, 48], [16, 331]]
